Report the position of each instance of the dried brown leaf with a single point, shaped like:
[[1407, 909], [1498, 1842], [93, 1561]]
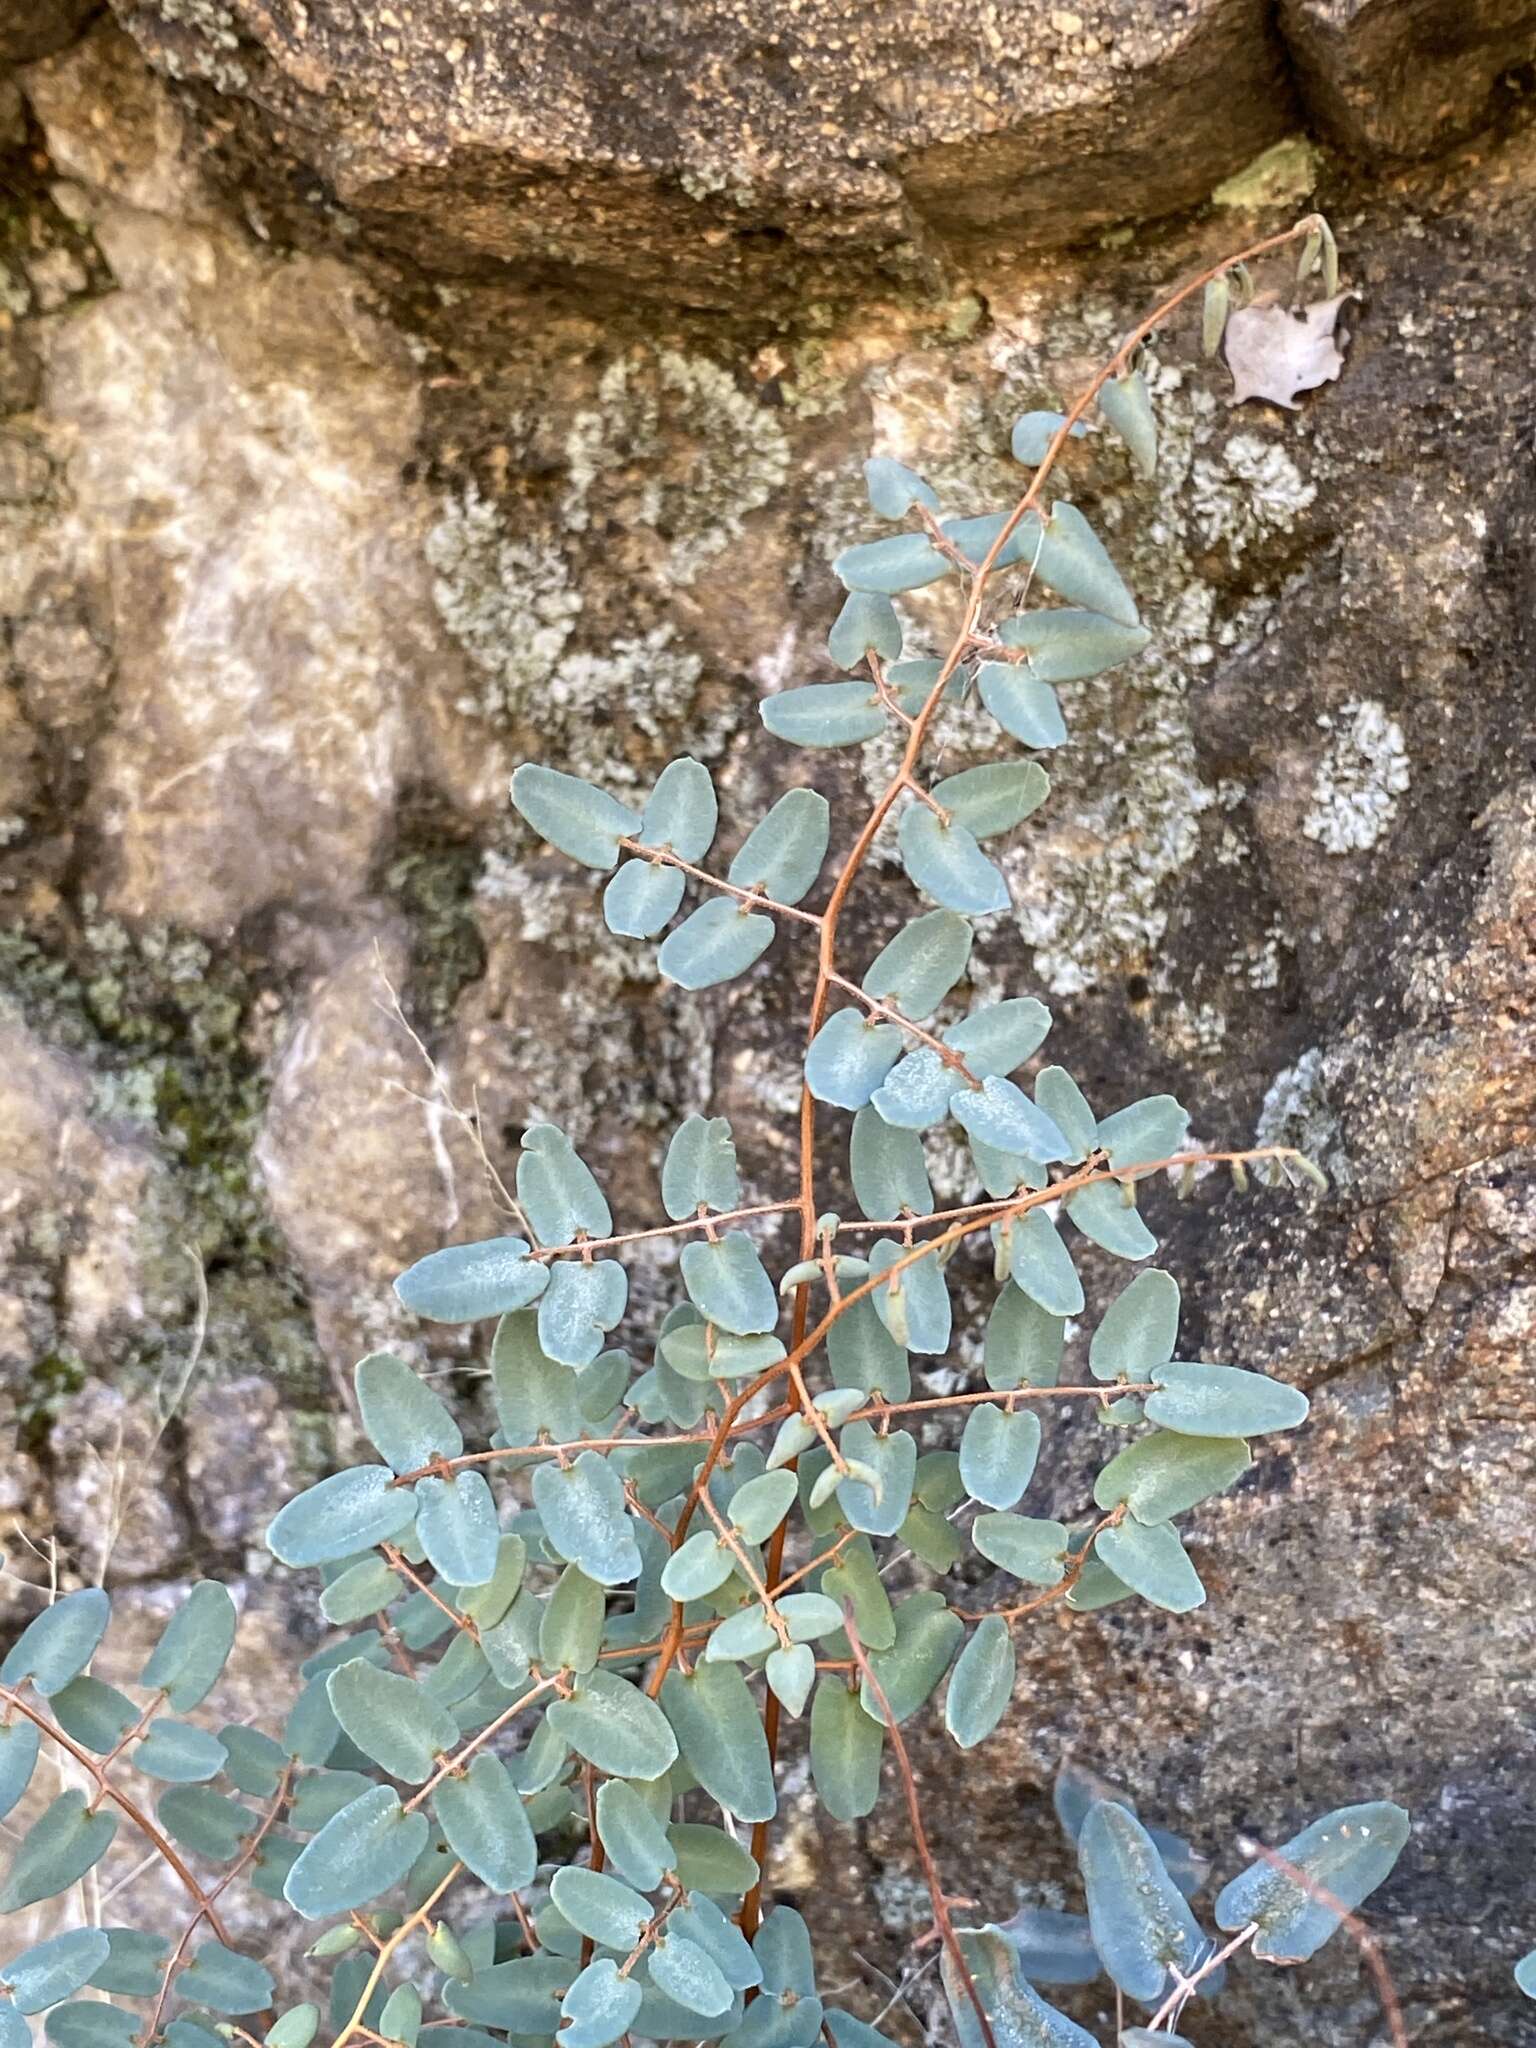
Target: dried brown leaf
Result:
[[1274, 353]]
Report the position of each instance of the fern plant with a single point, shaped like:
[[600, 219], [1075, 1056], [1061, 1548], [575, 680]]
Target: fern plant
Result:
[[527, 1791]]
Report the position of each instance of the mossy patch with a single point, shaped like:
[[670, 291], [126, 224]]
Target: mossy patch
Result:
[[431, 874], [52, 1382], [1279, 176], [173, 1037]]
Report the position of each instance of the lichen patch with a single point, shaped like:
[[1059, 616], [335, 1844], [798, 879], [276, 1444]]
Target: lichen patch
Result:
[[1363, 772]]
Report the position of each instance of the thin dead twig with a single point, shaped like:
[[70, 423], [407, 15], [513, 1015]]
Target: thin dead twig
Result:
[[941, 1919], [1353, 1926]]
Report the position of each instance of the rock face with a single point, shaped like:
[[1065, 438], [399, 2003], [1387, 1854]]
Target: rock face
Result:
[[1402, 81], [387, 401], [36, 28], [706, 156]]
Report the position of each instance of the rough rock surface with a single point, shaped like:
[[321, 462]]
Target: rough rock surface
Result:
[[321, 507], [1396, 80], [698, 154], [36, 28], [703, 154]]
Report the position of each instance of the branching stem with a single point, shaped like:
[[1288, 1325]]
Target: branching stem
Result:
[[1169, 2010], [738, 1550], [387, 1948], [587, 1245], [887, 1014], [455, 1763], [1074, 1570], [905, 777], [248, 1851], [398, 1563], [126, 1806], [753, 899], [741, 1413]]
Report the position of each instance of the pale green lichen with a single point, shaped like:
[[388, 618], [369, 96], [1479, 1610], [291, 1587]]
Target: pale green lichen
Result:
[[1258, 965], [589, 1012], [433, 882], [15, 292], [1090, 893], [1248, 488], [1297, 1111], [508, 602], [673, 445], [1363, 772], [210, 18], [705, 180], [814, 383], [951, 1170], [902, 1901], [210, 55], [964, 316], [646, 680], [1196, 1029]]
